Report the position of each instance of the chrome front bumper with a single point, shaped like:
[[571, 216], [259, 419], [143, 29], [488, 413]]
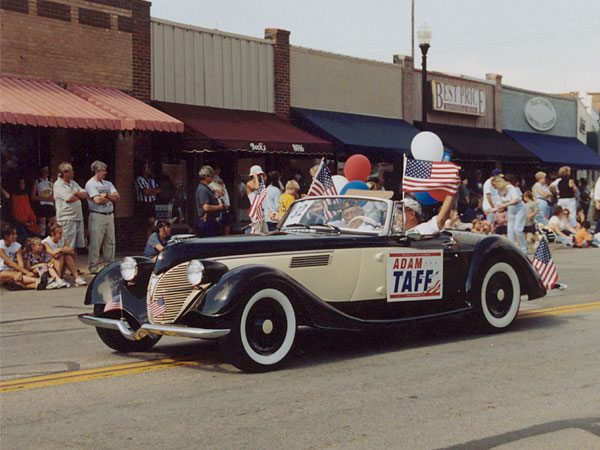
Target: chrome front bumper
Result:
[[147, 328]]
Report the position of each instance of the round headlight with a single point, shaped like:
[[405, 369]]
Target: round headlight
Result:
[[128, 268], [195, 272]]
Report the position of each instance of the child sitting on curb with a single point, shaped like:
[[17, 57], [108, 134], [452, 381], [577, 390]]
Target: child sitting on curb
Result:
[[35, 261], [60, 254]]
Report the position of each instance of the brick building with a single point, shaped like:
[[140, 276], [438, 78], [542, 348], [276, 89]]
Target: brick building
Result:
[[76, 80]]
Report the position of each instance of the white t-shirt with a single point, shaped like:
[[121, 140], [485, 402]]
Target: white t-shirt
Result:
[[509, 194], [430, 227], [95, 188], [11, 252], [597, 191], [54, 246], [489, 189], [562, 222]]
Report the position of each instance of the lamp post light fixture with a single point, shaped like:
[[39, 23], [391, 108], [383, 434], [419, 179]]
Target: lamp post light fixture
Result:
[[424, 35]]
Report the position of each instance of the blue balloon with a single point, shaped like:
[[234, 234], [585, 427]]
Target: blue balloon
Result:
[[447, 157], [355, 184], [425, 198]]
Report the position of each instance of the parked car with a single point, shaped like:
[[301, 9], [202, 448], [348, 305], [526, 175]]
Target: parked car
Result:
[[335, 263]]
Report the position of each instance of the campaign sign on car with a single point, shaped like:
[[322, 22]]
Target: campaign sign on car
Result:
[[414, 275]]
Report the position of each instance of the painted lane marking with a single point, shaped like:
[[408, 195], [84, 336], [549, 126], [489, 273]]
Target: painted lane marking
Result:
[[94, 374], [168, 363]]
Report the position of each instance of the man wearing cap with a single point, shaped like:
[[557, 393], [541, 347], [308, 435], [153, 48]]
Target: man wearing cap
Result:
[[253, 183], [207, 204], [413, 211], [490, 196], [351, 211]]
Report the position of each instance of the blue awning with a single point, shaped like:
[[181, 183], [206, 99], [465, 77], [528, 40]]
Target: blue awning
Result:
[[557, 150], [354, 133]]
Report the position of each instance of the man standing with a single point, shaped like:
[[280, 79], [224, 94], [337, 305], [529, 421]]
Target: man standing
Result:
[[146, 190], [207, 204], [67, 196], [101, 223]]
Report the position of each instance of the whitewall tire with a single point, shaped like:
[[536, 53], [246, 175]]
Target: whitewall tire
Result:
[[499, 297]]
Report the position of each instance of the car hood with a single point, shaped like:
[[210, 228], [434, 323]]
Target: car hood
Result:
[[205, 248]]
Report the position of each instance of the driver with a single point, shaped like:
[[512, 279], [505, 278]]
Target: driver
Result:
[[413, 213], [352, 217]]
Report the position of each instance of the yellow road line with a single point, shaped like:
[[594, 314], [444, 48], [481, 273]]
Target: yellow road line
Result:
[[167, 363], [94, 374], [558, 310]]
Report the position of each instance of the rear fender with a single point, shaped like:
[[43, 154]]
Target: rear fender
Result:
[[495, 249]]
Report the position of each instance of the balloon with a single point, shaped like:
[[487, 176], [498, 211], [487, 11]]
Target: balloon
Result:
[[426, 146], [357, 167], [356, 184], [447, 157], [339, 182], [425, 198]]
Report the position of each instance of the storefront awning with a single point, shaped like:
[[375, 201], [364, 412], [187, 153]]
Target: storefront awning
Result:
[[354, 133], [43, 103], [134, 114], [208, 128], [557, 150], [479, 144]]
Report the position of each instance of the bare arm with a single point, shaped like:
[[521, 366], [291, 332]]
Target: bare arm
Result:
[[444, 211]]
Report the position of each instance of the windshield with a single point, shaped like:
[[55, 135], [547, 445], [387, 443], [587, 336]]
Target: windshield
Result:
[[353, 214]]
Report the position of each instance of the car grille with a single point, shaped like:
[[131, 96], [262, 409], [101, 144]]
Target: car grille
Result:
[[173, 287], [310, 261]]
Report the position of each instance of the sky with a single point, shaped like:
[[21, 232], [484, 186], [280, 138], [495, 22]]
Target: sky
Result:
[[550, 46]]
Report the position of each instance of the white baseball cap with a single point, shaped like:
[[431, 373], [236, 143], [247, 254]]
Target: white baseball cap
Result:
[[255, 170], [413, 204]]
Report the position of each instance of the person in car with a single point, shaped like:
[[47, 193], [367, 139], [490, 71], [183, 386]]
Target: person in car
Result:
[[413, 212], [352, 214]]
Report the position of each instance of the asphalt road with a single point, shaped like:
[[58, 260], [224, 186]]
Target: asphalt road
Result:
[[437, 385]]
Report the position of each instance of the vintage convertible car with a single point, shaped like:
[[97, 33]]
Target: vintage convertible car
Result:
[[335, 263]]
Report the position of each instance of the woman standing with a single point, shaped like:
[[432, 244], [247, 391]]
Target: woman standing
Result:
[[543, 197], [567, 193], [510, 198]]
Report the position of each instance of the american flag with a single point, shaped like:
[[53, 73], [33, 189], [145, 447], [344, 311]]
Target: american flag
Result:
[[157, 307], [256, 212], [542, 261], [114, 303], [428, 176], [323, 185]]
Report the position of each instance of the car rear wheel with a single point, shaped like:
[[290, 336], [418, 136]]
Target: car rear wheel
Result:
[[115, 340], [499, 297], [263, 332]]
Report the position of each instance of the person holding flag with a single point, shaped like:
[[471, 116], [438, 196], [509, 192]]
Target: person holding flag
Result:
[[256, 211], [441, 180]]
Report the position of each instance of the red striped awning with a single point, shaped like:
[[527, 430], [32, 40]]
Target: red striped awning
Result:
[[134, 114], [43, 103]]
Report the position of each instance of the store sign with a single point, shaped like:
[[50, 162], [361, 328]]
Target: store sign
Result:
[[298, 148], [260, 147], [458, 99], [540, 114]]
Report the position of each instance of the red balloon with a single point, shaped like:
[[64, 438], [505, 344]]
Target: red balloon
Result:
[[357, 167]]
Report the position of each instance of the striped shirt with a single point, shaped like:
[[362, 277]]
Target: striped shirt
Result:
[[144, 183]]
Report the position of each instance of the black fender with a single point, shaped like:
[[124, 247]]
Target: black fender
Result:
[[109, 283], [222, 299], [497, 248]]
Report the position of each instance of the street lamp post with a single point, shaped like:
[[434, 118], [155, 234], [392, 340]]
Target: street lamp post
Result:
[[424, 35]]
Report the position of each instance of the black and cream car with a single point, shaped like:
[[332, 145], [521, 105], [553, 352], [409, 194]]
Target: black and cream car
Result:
[[323, 268]]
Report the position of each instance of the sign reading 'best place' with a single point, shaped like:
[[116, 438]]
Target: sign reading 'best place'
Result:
[[458, 98]]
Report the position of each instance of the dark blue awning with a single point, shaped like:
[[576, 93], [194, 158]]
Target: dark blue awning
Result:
[[354, 133], [557, 150]]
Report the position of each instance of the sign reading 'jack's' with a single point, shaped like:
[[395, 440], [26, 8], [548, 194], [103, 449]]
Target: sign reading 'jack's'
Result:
[[458, 99]]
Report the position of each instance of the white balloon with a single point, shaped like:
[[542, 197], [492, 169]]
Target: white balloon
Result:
[[427, 146], [339, 181]]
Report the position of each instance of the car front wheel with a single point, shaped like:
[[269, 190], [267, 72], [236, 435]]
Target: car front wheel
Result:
[[263, 331], [499, 297], [115, 340]]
